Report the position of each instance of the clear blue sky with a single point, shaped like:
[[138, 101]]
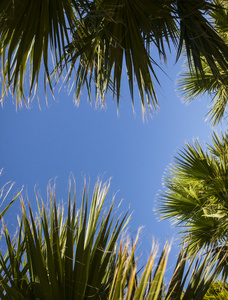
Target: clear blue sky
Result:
[[51, 143]]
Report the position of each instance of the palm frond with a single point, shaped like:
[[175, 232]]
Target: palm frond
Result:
[[28, 30], [217, 291], [94, 41], [117, 33], [200, 38], [196, 83], [79, 255], [57, 258], [4, 195], [196, 194], [191, 86], [120, 32]]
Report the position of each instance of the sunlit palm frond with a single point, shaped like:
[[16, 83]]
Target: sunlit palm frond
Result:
[[58, 258], [197, 193], [219, 16], [5, 190], [217, 291], [191, 86], [80, 256]]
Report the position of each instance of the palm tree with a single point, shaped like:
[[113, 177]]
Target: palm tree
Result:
[[191, 84], [80, 256], [93, 40], [196, 196]]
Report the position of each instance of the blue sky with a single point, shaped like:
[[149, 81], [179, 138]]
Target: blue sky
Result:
[[51, 143]]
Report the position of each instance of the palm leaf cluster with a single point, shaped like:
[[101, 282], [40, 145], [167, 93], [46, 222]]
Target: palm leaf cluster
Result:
[[217, 291], [28, 30], [93, 40], [81, 256], [196, 195], [191, 84]]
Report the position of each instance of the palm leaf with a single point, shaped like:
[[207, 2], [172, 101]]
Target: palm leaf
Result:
[[27, 31], [196, 195], [4, 193], [115, 33], [193, 84], [80, 256], [95, 41], [61, 255]]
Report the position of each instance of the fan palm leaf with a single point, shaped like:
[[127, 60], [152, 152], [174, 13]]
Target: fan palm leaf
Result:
[[196, 195], [93, 41], [81, 256], [217, 291], [192, 84], [119, 33], [28, 30], [56, 258]]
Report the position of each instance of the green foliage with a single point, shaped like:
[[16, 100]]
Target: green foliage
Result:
[[81, 256], [57, 258], [84, 255], [28, 30], [192, 84], [4, 193], [91, 41], [197, 196], [217, 291]]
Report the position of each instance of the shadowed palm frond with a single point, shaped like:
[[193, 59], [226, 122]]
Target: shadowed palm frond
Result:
[[28, 30], [124, 32], [119, 33], [192, 84], [95, 41], [200, 38]]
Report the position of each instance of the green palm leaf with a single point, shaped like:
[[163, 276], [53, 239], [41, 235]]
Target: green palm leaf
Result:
[[28, 30], [80, 256], [119, 33], [196, 195], [61, 256], [217, 291], [4, 194], [193, 84], [95, 41]]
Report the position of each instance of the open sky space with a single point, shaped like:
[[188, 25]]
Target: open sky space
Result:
[[61, 139]]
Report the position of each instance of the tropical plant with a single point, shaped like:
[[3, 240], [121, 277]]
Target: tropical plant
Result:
[[81, 256], [192, 84], [96, 38], [217, 291], [196, 196], [4, 193]]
